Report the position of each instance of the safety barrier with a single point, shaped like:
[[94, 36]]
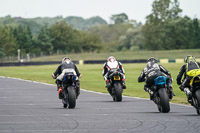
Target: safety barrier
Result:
[[31, 63], [122, 61], [81, 62], [174, 61]]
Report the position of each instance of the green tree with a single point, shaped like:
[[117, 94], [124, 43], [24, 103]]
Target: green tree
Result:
[[180, 34], [112, 35], [84, 24], [29, 40], [156, 28], [44, 41], [196, 33], [88, 42], [164, 10], [7, 41], [119, 18], [23, 36], [132, 40], [2, 52], [63, 37]]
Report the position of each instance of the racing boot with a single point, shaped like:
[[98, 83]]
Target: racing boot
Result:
[[110, 91], [188, 93], [171, 93], [59, 84], [147, 89], [59, 89], [108, 85], [123, 84], [60, 93], [77, 88]]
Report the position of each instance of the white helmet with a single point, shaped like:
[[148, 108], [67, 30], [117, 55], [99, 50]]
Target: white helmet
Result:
[[111, 59], [66, 59], [112, 63]]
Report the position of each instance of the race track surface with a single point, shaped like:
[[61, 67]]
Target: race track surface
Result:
[[29, 107]]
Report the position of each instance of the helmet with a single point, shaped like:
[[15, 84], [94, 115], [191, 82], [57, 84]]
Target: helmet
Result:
[[152, 59], [189, 58], [111, 59], [66, 59]]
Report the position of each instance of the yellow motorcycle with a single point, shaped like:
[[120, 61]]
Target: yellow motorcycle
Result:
[[195, 88]]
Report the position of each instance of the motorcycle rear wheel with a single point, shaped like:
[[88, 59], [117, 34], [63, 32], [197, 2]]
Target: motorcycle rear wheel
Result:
[[197, 93], [164, 101], [71, 97], [118, 92]]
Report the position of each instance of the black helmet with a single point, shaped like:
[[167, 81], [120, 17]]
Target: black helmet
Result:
[[152, 59], [189, 58]]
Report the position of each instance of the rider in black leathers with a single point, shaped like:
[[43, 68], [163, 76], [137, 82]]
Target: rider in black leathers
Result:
[[190, 64], [152, 71], [66, 64]]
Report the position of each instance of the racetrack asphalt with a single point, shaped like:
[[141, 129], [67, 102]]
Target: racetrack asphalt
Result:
[[31, 107]]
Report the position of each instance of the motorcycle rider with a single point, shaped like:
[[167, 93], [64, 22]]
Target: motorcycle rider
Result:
[[190, 64], [66, 65], [151, 71], [110, 64]]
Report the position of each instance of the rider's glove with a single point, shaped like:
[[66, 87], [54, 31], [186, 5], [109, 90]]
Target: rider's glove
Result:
[[54, 77]]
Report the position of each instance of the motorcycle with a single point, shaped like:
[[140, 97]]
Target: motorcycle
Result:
[[69, 90], [161, 94], [116, 84], [195, 89]]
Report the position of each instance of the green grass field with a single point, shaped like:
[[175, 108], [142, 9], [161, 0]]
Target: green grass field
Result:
[[92, 77]]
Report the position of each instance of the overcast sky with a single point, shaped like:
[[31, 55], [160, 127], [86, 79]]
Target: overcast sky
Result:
[[135, 9]]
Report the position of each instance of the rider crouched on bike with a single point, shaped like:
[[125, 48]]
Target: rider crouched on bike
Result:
[[152, 71], [189, 66], [112, 63], [67, 65]]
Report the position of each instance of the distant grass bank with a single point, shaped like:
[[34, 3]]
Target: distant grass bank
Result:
[[92, 77], [168, 54]]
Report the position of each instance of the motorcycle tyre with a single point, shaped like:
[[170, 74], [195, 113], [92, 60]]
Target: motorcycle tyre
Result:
[[197, 94], [71, 97], [164, 100], [118, 92]]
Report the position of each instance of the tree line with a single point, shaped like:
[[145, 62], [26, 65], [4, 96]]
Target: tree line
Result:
[[59, 37], [164, 29]]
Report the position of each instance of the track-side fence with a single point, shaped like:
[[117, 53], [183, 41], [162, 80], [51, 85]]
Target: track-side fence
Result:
[[81, 62]]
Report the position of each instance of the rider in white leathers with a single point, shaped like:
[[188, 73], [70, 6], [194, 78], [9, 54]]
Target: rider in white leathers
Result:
[[111, 64]]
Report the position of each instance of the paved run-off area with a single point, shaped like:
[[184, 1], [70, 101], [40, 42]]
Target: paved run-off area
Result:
[[30, 107]]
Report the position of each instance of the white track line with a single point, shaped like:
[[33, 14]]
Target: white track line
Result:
[[88, 90]]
